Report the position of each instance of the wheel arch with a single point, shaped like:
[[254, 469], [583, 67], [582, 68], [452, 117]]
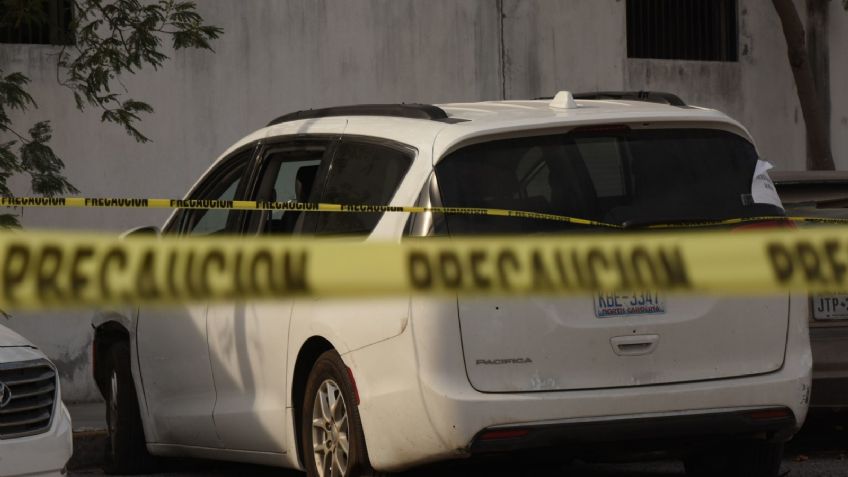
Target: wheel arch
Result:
[[309, 352], [106, 334]]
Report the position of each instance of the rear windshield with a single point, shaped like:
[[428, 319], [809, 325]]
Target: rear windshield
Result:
[[622, 176]]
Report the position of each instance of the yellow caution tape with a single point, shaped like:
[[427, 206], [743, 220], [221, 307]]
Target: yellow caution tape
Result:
[[51, 270], [103, 202]]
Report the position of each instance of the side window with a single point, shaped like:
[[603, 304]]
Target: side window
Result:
[[222, 184], [361, 174], [289, 173]]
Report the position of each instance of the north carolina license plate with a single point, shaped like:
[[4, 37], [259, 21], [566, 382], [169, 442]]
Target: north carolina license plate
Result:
[[627, 304], [830, 307]]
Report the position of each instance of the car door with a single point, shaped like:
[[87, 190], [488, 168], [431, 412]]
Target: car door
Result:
[[248, 341], [173, 353], [364, 171]]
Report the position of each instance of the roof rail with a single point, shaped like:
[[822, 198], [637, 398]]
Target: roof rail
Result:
[[649, 96], [412, 111]]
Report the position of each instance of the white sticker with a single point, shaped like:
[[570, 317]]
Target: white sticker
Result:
[[762, 188]]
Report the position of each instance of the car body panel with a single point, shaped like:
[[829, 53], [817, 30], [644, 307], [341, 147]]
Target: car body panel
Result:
[[250, 387], [40, 455], [447, 412], [45, 453], [490, 120], [174, 366], [561, 343], [821, 194], [11, 339]]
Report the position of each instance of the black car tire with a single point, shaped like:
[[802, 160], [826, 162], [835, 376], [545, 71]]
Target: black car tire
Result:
[[739, 459], [330, 368], [126, 452]]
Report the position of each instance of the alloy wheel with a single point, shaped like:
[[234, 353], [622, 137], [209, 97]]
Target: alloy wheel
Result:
[[330, 445], [113, 404]]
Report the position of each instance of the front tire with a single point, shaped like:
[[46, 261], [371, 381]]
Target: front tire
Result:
[[740, 459], [331, 434], [126, 452]]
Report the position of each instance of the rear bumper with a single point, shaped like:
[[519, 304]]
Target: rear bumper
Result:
[[830, 367], [417, 405], [663, 432], [418, 409]]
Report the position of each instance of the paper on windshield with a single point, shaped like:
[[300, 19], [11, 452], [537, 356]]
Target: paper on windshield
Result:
[[762, 188]]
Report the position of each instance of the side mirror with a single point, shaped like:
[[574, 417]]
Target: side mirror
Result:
[[146, 230]]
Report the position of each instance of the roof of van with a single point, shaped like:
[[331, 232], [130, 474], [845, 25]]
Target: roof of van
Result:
[[495, 117], [444, 126], [494, 111]]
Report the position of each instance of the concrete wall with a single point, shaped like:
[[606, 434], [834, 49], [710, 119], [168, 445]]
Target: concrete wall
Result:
[[758, 90], [838, 80], [283, 55], [578, 45]]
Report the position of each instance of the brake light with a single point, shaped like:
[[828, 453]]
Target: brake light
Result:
[[766, 225], [603, 128], [769, 414]]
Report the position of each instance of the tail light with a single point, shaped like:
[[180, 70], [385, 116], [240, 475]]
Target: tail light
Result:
[[766, 225], [353, 384], [503, 434], [769, 414]]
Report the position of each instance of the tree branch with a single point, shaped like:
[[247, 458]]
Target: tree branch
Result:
[[819, 156]]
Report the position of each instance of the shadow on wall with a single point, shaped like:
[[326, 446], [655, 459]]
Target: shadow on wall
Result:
[[196, 361]]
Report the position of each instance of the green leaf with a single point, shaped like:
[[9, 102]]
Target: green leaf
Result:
[[112, 38], [9, 221]]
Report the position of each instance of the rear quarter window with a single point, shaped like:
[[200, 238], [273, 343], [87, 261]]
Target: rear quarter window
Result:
[[361, 173]]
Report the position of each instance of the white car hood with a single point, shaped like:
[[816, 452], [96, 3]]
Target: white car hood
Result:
[[9, 338]]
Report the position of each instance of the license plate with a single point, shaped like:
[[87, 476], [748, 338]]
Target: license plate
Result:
[[830, 307], [608, 305]]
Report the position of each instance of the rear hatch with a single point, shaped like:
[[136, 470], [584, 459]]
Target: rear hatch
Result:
[[625, 176]]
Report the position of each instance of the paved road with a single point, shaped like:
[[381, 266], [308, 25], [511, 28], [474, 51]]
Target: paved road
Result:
[[816, 466], [821, 450]]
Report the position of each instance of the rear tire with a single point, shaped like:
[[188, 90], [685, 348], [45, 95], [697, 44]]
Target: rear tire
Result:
[[740, 459], [331, 433], [126, 452]]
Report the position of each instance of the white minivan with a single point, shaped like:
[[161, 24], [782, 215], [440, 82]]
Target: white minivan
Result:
[[353, 387]]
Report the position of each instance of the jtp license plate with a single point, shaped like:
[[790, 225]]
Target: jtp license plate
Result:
[[627, 304], [830, 307]]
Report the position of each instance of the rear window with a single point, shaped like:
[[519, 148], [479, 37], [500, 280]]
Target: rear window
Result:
[[625, 177]]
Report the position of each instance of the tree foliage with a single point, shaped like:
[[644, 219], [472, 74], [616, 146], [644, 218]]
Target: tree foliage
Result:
[[111, 39]]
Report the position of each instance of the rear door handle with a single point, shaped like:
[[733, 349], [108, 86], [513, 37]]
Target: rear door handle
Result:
[[634, 345]]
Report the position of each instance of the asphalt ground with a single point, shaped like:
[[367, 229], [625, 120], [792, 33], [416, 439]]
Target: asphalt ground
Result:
[[820, 450]]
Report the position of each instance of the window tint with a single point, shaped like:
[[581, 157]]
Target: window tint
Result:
[[361, 174], [221, 185], [289, 173], [629, 177], [603, 160]]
